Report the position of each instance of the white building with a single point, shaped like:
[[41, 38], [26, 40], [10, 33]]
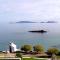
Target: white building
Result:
[[12, 47]]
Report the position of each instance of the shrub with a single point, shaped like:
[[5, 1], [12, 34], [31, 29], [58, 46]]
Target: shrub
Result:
[[19, 55], [38, 48], [53, 50], [26, 48]]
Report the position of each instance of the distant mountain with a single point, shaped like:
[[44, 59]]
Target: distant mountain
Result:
[[25, 22], [38, 31]]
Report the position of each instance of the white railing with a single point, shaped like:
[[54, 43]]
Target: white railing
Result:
[[10, 58]]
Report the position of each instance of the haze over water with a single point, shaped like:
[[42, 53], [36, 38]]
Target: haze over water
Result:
[[18, 33]]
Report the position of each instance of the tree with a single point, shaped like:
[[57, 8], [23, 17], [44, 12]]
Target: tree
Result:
[[53, 50], [38, 48], [26, 48]]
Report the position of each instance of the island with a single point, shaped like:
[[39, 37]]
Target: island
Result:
[[56, 46], [25, 22], [42, 22], [38, 31], [49, 22]]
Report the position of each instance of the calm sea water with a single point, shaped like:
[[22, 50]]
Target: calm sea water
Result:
[[18, 33]]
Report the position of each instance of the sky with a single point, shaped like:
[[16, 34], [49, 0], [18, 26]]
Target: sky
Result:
[[29, 10]]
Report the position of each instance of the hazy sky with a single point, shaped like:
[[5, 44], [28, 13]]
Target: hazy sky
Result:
[[34, 10]]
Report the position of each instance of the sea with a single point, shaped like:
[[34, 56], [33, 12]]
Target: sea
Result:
[[19, 34]]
